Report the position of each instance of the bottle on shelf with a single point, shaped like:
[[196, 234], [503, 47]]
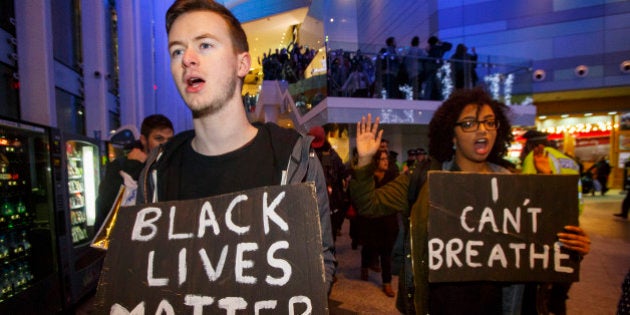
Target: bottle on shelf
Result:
[[7, 211], [6, 287], [4, 249], [25, 243], [16, 246], [20, 209], [21, 276]]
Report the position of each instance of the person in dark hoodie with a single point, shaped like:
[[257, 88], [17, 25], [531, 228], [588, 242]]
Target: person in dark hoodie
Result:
[[335, 173], [210, 58], [435, 52]]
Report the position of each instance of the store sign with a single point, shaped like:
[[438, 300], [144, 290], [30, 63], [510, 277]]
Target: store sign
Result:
[[254, 251], [592, 141], [500, 227]]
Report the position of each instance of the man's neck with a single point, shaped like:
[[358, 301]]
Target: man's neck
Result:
[[222, 132]]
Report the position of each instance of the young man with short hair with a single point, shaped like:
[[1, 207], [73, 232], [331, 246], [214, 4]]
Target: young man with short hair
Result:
[[209, 60], [155, 130]]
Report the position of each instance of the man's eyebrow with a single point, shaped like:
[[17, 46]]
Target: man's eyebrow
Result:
[[173, 43], [204, 36], [197, 38]]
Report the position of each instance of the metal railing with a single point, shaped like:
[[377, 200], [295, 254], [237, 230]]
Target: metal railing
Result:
[[400, 74]]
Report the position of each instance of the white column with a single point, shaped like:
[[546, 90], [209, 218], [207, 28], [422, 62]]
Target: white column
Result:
[[168, 101], [93, 15], [35, 61], [131, 109]]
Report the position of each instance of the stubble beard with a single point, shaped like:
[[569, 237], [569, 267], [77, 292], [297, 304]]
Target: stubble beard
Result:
[[225, 92]]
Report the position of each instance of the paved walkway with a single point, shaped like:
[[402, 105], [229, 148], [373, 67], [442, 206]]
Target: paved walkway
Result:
[[604, 268], [597, 292]]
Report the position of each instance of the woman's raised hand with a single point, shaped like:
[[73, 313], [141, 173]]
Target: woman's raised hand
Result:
[[368, 139]]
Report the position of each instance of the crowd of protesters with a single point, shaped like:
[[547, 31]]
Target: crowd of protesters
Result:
[[286, 64], [413, 72]]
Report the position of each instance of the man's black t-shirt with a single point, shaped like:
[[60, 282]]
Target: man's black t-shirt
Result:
[[249, 167]]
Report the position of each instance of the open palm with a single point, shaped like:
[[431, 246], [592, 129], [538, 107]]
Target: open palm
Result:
[[368, 139]]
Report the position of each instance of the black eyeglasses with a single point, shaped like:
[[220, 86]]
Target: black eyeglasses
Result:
[[473, 125]]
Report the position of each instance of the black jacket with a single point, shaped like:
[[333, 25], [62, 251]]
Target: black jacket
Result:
[[291, 151], [110, 185]]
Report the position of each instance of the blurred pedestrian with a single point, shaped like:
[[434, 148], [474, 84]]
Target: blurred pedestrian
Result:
[[334, 172]]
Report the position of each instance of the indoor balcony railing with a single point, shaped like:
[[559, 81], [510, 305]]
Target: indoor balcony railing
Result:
[[342, 73]]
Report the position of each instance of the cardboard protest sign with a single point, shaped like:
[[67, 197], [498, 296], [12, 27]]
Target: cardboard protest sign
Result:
[[251, 252], [500, 227]]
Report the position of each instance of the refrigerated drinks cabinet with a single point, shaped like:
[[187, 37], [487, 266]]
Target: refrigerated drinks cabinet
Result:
[[76, 172], [29, 269]]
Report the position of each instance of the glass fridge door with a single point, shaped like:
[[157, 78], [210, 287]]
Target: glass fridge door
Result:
[[28, 257], [77, 175], [83, 178]]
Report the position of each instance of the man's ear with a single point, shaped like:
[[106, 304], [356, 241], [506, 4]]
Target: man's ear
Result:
[[244, 64], [145, 144]]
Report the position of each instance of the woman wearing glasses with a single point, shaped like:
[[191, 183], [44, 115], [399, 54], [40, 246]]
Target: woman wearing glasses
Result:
[[470, 132]]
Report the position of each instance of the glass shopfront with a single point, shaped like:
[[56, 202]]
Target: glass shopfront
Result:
[[590, 137]]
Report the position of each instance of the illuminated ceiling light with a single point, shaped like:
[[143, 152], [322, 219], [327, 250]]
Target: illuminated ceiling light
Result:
[[612, 113], [543, 117], [332, 20], [588, 114], [564, 116]]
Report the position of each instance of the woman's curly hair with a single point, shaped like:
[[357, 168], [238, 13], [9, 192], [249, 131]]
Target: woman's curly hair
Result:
[[442, 125]]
